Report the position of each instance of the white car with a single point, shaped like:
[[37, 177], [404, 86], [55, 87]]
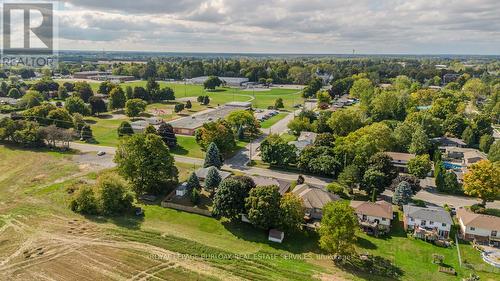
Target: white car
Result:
[[101, 153]]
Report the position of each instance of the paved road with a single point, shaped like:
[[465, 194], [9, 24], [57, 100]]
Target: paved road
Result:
[[440, 199], [86, 148]]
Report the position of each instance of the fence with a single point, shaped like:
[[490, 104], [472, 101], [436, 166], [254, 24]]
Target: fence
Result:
[[186, 209]]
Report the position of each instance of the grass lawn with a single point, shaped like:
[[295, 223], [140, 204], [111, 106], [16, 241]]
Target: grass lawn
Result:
[[414, 257], [273, 120], [187, 146], [260, 99], [34, 211]]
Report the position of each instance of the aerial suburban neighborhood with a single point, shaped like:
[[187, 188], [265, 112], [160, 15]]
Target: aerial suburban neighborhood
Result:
[[215, 140]]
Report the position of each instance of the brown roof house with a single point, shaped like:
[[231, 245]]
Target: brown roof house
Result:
[[374, 217], [314, 199], [400, 160], [479, 227]]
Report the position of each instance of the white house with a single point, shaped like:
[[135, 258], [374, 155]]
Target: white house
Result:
[[479, 227], [373, 217], [431, 219]]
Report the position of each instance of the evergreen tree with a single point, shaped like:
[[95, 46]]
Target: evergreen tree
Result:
[[213, 179], [439, 172], [402, 194], [213, 157], [166, 132], [86, 133], [195, 196], [193, 181]]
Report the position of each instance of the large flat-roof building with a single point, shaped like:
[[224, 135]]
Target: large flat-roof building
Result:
[[188, 125], [88, 74]]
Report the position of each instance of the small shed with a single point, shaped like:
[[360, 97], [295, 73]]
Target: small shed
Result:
[[181, 190], [276, 235]]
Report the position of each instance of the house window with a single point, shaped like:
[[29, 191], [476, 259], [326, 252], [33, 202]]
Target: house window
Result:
[[383, 219], [411, 219], [431, 222], [423, 222], [494, 233], [472, 228], [443, 224]]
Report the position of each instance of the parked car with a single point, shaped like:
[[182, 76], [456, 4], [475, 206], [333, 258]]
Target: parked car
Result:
[[101, 153]]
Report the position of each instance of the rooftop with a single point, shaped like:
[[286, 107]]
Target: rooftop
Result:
[[203, 172], [436, 214], [314, 197], [381, 209], [266, 181], [478, 220], [398, 156], [196, 121]]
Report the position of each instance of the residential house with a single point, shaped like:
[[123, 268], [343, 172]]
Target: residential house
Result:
[[202, 173], [478, 227], [473, 156], [283, 186], [400, 160], [449, 141], [429, 223], [305, 139], [374, 217], [314, 200]]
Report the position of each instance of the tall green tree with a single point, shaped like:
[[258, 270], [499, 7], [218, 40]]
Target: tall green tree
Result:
[[145, 161], [420, 166], [229, 200], [193, 181], [291, 212], [117, 98], [338, 229], [213, 157], [263, 206], [402, 194], [213, 179], [276, 151]]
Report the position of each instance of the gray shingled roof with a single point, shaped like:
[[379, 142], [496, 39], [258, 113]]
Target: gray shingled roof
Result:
[[435, 214]]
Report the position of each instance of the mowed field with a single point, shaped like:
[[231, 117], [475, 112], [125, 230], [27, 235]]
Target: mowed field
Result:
[[260, 98], [41, 239], [104, 127]]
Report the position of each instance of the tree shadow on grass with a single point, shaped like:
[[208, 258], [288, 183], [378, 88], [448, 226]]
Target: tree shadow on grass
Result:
[[104, 116], [179, 150], [128, 221], [371, 267], [296, 243], [365, 243]]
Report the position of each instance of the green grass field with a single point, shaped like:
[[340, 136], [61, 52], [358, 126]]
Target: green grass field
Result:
[[34, 214], [414, 257], [259, 98]]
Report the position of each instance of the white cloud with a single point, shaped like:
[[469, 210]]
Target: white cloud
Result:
[[301, 26]]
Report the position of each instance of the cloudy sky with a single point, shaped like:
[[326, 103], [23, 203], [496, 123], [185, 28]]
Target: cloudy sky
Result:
[[283, 26]]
